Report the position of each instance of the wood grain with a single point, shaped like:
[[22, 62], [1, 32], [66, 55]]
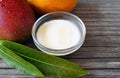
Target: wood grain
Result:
[[100, 53]]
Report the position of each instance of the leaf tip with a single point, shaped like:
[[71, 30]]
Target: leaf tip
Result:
[[86, 73]]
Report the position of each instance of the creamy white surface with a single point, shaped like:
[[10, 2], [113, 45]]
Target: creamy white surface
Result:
[[58, 34]]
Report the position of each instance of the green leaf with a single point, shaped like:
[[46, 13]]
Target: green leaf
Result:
[[47, 64], [19, 63]]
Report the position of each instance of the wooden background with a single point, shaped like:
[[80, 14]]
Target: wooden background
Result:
[[100, 53]]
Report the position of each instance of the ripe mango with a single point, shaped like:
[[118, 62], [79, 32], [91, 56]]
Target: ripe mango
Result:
[[16, 20]]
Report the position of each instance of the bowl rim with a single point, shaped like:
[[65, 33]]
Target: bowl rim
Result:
[[40, 46]]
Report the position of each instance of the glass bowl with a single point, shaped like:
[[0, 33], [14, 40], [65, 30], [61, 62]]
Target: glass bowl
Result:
[[59, 15]]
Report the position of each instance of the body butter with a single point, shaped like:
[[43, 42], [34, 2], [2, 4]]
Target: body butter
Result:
[[58, 34]]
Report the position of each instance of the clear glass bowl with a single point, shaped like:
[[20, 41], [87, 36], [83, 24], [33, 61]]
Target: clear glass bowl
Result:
[[59, 15]]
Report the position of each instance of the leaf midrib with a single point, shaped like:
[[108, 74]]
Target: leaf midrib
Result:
[[46, 63]]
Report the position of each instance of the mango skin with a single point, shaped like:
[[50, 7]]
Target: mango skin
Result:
[[16, 20], [46, 6]]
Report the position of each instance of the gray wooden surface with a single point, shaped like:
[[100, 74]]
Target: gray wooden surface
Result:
[[100, 53]]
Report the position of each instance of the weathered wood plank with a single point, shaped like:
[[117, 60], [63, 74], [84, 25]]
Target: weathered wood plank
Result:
[[103, 76], [105, 72], [94, 52], [20, 76], [16, 76], [104, 41], [103, 29], [101, 64], [94, 72], [10, 72]]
